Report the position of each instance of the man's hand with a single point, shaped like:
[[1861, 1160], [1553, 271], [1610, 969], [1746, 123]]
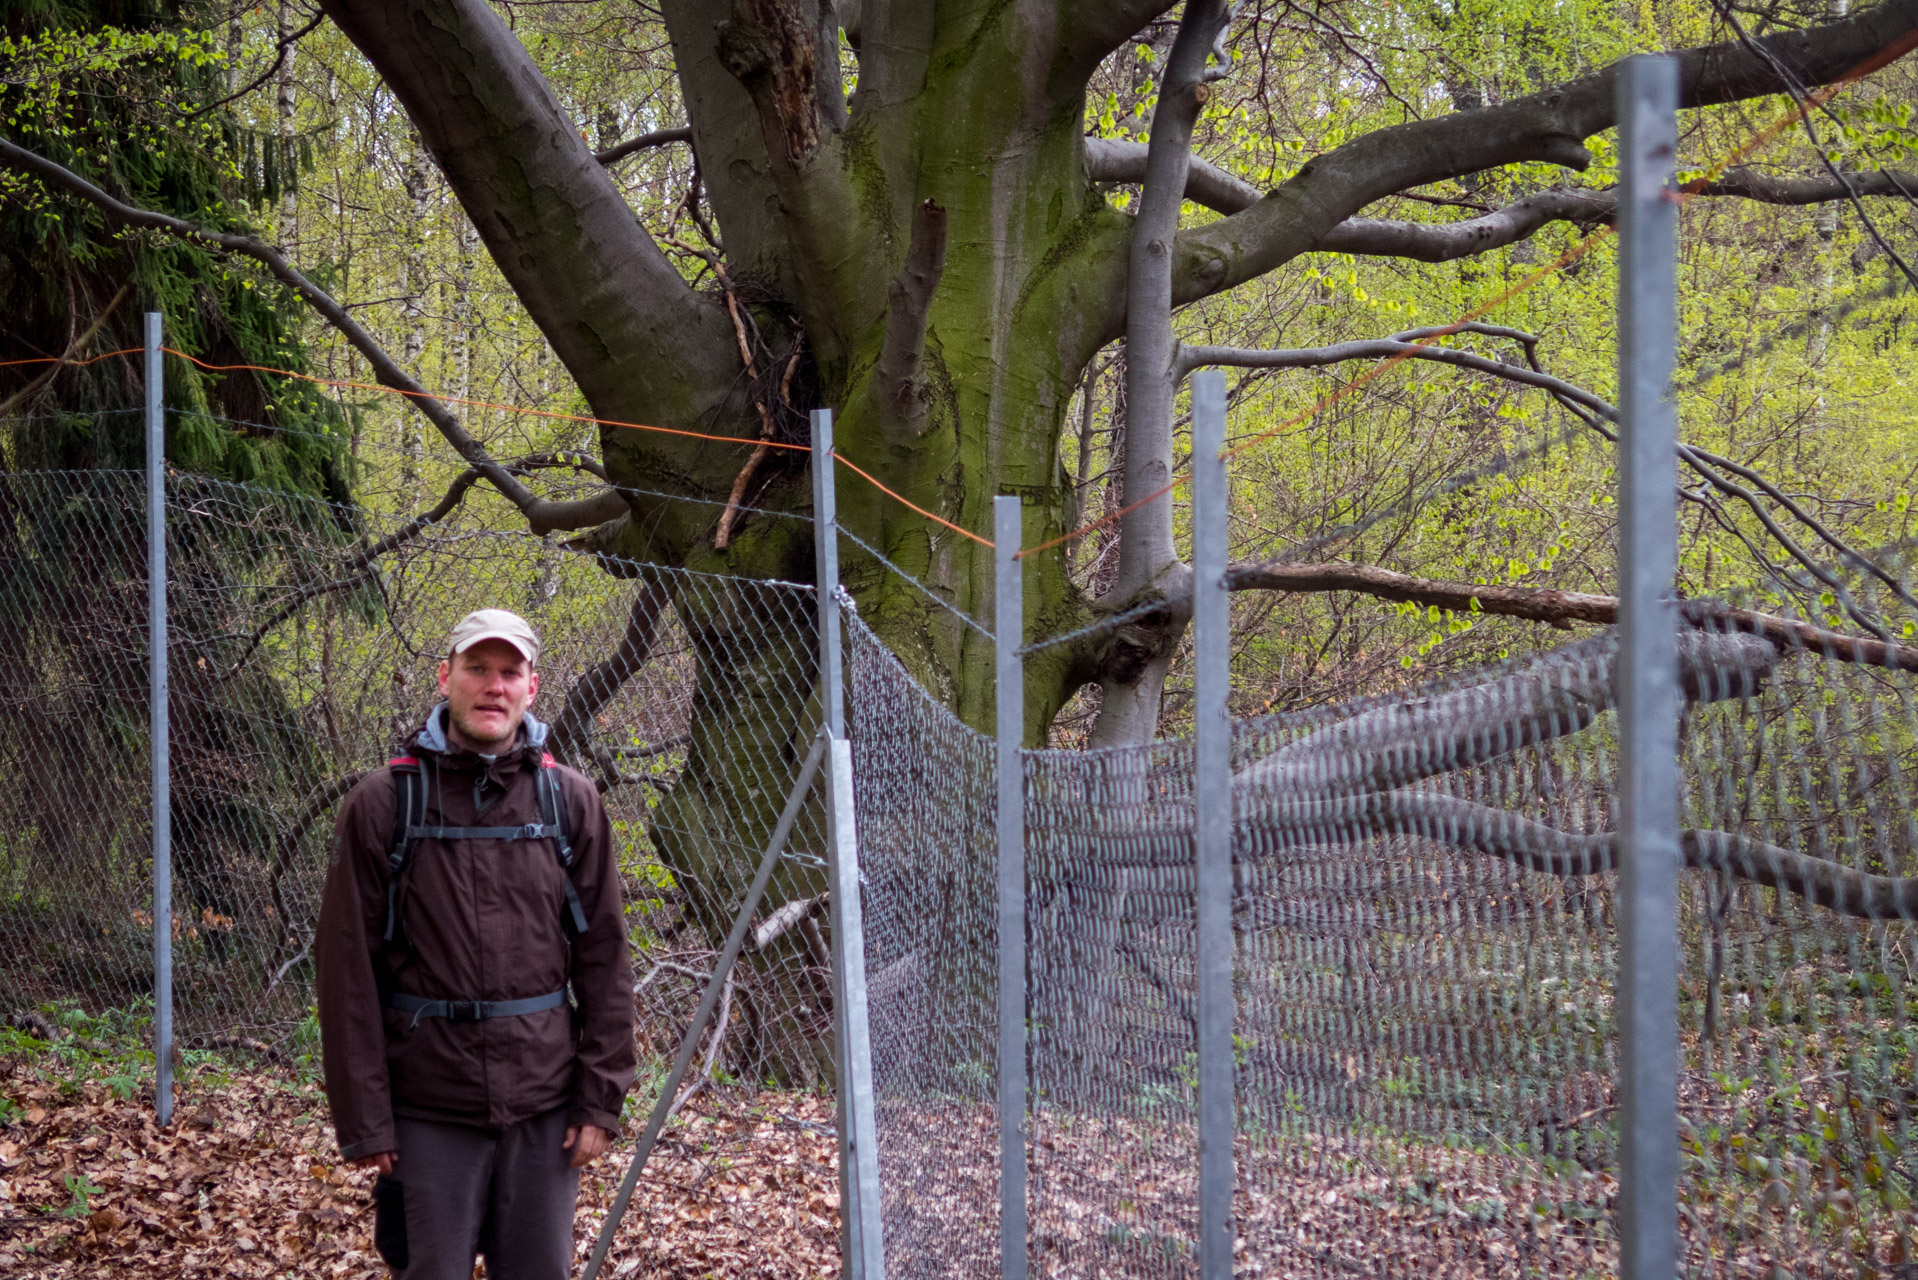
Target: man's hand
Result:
[[383, 1162], [587, 1142]]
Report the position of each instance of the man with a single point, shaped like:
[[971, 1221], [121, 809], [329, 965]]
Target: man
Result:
[[456, 1064]]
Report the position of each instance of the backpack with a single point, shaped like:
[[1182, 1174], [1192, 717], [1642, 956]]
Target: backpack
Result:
[[409, 811]]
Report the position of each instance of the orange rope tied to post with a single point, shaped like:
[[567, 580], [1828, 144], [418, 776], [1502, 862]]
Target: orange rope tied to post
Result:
[[105, 355]]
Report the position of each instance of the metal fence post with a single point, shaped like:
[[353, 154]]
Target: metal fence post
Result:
[[1008, 630], [1647, 676], [861, 1238], [157, 712], [1212, 828]]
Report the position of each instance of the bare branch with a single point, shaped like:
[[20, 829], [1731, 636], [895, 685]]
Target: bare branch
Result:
[[572, 728], [540, 513], [1399, 347], [1535, 604], [604, 506], [657, 138], [279, 60], [1117, 160], [1447, 241], [1549, 126], [895, 381], [74, 348], [1561, 608], [1749, 184], [1414, 344], [786, 919]]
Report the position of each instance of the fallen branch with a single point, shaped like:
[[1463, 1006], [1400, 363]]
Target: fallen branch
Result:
[[1114, 160], [1550, 851], [786, 919]]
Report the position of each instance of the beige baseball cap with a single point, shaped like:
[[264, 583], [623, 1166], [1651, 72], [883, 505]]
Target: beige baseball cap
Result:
[[494, 624]]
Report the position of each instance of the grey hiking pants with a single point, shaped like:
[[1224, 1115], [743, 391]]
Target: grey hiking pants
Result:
[[508, 1194]]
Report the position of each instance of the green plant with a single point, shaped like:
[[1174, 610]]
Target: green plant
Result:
[[82, 1189]]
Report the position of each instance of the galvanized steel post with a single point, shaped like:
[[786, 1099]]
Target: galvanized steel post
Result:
[[862, 1241], [1212, 801], [1008, 629], [1647, 672], [157, 713]]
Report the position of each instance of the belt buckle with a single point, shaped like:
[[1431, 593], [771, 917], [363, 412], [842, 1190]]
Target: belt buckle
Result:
[[462, 1010]]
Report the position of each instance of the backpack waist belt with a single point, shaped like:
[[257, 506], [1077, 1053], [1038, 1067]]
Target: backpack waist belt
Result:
[[473, 1010]]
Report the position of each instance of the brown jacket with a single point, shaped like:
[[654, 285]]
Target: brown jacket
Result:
[[478, 920]]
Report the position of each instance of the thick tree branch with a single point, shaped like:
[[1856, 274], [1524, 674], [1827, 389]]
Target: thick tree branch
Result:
[[1535, 604], [895, 381], [1448, 241], [573, 726], [645, 141], [606, 505], [543, 515], [1561, 608], [1523, 218], [1118, 160], [1148, 560], [1749, 184], [640, 344], [1550, 127], [1549, 851]]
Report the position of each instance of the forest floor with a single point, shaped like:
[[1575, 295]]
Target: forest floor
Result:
[[246, 1181]]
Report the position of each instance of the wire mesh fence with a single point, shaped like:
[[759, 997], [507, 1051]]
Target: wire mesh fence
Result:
[[296, 668], [1424, 924], [1426, 1050]]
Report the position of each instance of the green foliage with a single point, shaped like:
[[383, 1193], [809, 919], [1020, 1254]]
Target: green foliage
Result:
[[111, 91]]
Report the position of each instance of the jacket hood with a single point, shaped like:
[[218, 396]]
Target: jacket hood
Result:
[[432, 734]]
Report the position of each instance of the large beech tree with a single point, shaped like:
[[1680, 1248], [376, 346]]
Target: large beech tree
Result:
[[937, 257], [933, 257]]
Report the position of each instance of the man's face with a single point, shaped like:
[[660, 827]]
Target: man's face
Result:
[[487, 688]]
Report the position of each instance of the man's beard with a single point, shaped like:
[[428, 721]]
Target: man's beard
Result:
[[492, 745]]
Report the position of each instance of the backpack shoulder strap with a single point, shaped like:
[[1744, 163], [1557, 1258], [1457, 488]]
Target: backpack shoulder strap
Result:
[[409, 810], [552, 812]]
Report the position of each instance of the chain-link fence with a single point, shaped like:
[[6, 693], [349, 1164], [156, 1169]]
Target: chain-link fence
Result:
[[298, 664], [1423, 898], [1426, 1053]]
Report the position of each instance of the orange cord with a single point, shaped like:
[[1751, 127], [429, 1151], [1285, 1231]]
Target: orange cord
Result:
[[905, 502], [128, 351], [487, 404], [1688, 192]]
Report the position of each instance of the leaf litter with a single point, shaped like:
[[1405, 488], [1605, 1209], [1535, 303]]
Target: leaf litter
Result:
[[246, 1183]]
